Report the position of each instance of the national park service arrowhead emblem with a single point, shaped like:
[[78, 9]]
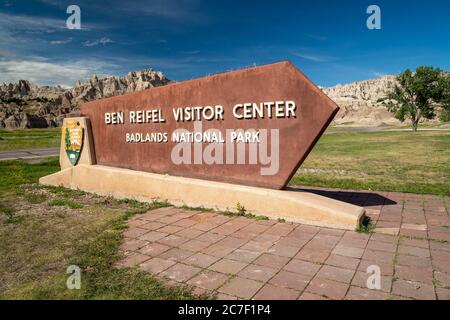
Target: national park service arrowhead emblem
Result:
[[73, 137]]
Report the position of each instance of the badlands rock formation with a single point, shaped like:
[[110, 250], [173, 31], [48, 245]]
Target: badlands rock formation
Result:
[[26, 105], [360, 102]]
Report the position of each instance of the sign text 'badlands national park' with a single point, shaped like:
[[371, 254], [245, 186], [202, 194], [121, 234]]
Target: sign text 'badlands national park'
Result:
[[252, 127]]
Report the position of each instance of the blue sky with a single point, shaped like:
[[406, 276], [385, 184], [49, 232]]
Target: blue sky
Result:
[[327, 39]]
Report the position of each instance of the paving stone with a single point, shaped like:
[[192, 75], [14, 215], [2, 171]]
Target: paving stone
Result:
[[413, 251], [424, 275], [201, 260], [324, 239], [258, 246], [241, 287], [443, 294], [331, 232], [291, 280], [194, 245], [270, 239], [271, 292], [176, 254], [228, 266], [355, 236], [302, 267], [442, 279], [217, 250], [312, 296], [329, 288], [169, 219], [152, 225], [132, 244], [360, 280], [413, 233], [304, 232], [406, 260], [388, 224], [439, 246], [257, 272], [208, 280], [336, 274], [378, 237], [272, 261], [204, 226], [357, 293], [154, 249], [280, 229], [414, 226], [133, 259], [353, 243], [134, 232], [386, 268], [421, 243], [228, 228], [378, 256], [231, 242], [441, 236], [261, 252], [173, 240], [441, 264], [284, 251], [250, 231], [189, 233], [389, 231], [223, 296], [186, 223], [156, 265], [314, 254], [180, 272], [210, 237], [413, 289], [348, 251], [382, 246], [243, 255], [342, 261], [292, 242], [152, 236], [136, 222]]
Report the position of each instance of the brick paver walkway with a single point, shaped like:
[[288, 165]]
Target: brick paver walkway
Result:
[[248, 259]]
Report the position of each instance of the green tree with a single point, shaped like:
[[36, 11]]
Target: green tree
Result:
[[445, 114], [417, 93]]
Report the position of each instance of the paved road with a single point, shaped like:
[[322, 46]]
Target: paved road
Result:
[[28, 154]]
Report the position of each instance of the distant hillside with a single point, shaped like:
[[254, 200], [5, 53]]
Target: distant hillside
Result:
[[360, 102], [26, 105]]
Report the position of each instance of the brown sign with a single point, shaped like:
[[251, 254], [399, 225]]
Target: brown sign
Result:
[[252, 127]]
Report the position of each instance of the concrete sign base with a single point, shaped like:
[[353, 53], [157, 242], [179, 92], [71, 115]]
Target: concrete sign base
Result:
[[295, 206]]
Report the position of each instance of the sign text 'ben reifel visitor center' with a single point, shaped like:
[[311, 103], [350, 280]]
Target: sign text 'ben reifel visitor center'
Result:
[[214, 141]]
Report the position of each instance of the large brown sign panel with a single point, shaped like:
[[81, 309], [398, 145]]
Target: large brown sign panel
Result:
[[252, 127]]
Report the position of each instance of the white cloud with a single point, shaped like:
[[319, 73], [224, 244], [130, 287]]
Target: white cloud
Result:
[[31, 24], [43, 72], [101, 41], [68, 40], [312, 57]]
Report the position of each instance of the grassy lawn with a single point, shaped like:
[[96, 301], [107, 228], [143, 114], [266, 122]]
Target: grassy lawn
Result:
[[28, 139], [43, 230], [385, 161]]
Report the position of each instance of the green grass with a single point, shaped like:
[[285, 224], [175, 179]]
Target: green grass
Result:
[[38, 241], [366, 227], [29, 138], [65, 202], [384, 161]]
